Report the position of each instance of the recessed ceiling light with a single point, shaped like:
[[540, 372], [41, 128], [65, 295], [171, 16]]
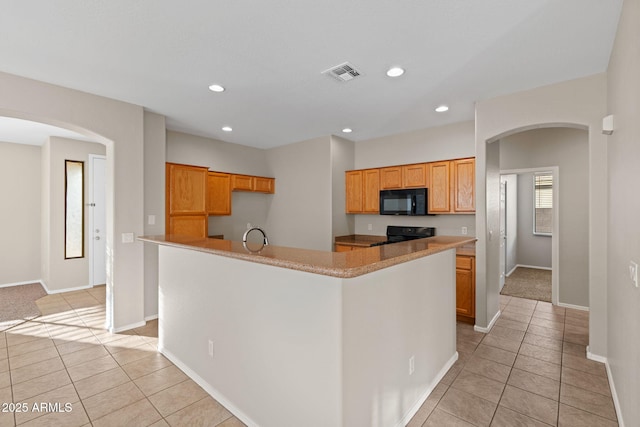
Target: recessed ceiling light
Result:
[[227, 129], [347, 130], [216, 88], [395, 72], [442, 108]]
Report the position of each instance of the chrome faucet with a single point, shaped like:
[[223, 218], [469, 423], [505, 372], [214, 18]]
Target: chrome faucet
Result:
[[264, 235]]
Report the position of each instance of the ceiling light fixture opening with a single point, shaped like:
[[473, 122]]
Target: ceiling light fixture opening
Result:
[[442, 108], [216, 88], [227, 128], [347, 130], [395, 72]]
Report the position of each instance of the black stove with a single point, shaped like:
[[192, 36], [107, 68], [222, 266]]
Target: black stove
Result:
[[397, 234]]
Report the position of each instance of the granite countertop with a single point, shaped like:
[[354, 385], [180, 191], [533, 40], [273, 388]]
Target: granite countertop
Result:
[[336, 264], [366, 240]]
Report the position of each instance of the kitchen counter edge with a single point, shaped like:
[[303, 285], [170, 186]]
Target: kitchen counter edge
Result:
[[336, 264]]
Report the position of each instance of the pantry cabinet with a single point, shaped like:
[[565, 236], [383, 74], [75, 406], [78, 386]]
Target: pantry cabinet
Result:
[[185, 200]]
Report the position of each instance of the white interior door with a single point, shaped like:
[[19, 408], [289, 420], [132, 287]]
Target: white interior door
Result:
[[97, 220], [503, 231]]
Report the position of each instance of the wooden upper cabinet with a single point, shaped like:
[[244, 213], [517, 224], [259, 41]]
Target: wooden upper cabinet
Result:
[[264, 185], [186, 187], [241, 183], [219, 193], [390, 178], [464, 176], [362, 191], [439, 187], [354, 191], [371, 188], [415, 176]]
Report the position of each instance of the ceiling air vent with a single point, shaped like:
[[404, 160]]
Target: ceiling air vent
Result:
[[343, 72]]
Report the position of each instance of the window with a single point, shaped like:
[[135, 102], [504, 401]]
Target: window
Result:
[[74, 209], [543, 203]]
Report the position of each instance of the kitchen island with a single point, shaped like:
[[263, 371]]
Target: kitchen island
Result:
[[284, 336]]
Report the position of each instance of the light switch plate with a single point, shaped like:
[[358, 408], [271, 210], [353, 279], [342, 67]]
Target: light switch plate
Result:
[[127, 237]]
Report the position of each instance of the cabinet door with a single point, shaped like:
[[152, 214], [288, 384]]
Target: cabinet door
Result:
[[391, 178], [371, 184], [264, 185], [414, 176], [241, 183], [343, 248], [219, 193], [439, 187], [464, 175], [354, 191], [186, 189], [188, 225]]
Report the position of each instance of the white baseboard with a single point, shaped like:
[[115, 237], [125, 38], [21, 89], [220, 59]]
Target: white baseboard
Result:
[[415, 408], [127, 327], [488, 328], [537, 267], [152, 317], [208, 388], [59, 291], [595, 357], [614, 394], [575, 307], [28, 282], [511, 271]]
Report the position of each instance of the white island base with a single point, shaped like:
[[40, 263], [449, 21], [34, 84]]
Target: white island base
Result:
[[293, 348]]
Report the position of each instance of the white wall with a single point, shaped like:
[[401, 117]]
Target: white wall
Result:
[[154, 192], [425, 145], [300, 212], [20, 176], [120, 126], [60, 274], [623, 206], [342, 159], [579, 102], [533, 250], [569, 150]]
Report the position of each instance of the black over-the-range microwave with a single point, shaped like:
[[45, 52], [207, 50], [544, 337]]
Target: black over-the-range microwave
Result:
[[411, 201]]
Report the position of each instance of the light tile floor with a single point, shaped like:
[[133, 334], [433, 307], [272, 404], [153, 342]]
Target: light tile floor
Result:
[[66, 356], [529, 370]]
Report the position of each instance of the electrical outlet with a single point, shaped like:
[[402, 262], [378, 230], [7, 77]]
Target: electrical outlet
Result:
[[369, 227], [633, 272], [412, 365], [248, 225], [127, 237], [210, 348], [152, 220], [464, 231]]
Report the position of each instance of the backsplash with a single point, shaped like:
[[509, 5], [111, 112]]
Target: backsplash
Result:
[[446, 225]]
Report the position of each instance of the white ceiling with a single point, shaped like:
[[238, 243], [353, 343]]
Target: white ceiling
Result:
[[163, 54]]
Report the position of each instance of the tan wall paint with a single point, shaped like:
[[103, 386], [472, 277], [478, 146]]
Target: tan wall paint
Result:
[[20, 181], [581, 103], [623, 226], [569, 150], [60, 274], [120, 126]]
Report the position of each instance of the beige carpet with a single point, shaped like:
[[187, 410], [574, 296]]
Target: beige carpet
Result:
[[530, 283], [18, 303]]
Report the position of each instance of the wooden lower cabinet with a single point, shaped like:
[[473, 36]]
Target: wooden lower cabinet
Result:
[[343, 248], [465, 288]]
